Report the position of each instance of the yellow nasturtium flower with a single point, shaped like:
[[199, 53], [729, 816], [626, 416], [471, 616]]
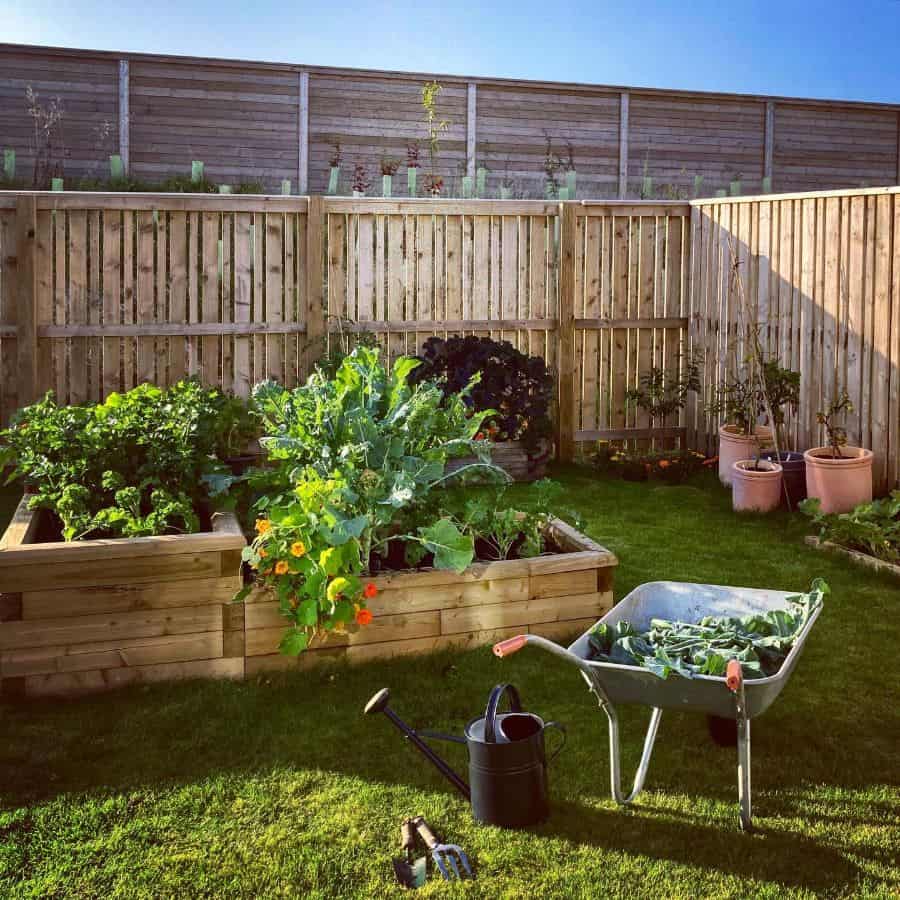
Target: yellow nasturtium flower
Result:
[[281, 567], [263, 525], [337, 587]]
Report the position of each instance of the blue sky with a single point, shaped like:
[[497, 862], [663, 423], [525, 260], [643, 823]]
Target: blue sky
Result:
[[815, 49]]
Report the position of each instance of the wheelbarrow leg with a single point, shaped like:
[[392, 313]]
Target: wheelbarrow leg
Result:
[[734, 679], [615, 772], [744, 772]]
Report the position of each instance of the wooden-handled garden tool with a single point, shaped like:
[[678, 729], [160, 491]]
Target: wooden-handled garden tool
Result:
[[444, 854], [410, 871]]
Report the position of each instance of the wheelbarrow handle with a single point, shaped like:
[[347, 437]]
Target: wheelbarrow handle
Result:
[[734, 676], [510, 645]]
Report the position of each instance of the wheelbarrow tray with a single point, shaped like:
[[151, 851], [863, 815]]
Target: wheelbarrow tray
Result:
[[680, 601]]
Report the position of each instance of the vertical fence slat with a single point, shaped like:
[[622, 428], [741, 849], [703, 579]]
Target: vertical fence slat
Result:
[[565, 437]]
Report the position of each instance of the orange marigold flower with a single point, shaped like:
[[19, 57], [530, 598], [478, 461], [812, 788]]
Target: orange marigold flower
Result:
[[298, 548], [263, 552], [664, 464], [281, 567], [363, 617], [263, 525], [369, 591]]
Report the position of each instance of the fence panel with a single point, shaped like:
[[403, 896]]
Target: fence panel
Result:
[[821, 278], [632, 267], [406, 270]]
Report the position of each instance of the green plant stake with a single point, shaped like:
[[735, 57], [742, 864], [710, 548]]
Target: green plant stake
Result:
[[116, 167], [698, 184], [721, 192], [386, 185], [735, 187], [647, 188], [563, 194], [767, 185], [411, 175], [9, 163], [571, 177], [333, 175], [286, 186], [56, 184], [505, 192], [481, 182], [196, 171], [224, 188], [467, 187]]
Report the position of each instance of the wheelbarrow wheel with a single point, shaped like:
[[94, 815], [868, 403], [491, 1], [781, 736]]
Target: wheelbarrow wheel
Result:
[[722, 731]]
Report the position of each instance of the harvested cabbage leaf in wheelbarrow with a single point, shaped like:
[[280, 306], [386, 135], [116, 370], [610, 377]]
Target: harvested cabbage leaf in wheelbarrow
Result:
[[759, 642]]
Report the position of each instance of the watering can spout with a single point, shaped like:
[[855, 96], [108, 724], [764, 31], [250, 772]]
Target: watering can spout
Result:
[[379, 704]]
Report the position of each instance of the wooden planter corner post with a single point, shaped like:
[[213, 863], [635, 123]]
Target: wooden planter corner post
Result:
[[556, 595], [90, 615]]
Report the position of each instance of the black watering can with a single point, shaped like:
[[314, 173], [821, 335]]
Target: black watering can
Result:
[[507, 760]]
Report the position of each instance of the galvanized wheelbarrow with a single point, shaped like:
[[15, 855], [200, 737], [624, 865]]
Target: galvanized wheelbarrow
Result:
[[730, 697]]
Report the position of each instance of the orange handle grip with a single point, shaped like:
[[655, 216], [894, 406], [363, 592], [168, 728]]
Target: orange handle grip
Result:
[[510, 645], [734, 677]]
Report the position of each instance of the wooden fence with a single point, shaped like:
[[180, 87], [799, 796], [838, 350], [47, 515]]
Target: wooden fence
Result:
[[258, 121], [821, 275], [101, 292]]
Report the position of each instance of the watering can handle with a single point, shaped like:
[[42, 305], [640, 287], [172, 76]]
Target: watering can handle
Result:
[[490, 714], [562, 730]]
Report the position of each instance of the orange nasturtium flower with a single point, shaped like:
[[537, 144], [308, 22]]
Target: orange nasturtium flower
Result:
[[298, 548], [363, 617], [263, 525], [281, 567], [369, 591]]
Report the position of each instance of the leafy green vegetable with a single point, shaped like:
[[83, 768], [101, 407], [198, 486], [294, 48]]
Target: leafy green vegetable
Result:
[[872, 528], [760, 642], [137, 464]]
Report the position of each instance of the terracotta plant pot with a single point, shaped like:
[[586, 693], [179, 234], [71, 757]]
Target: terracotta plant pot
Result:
[[734, 446], [841, 483], [755, 489]]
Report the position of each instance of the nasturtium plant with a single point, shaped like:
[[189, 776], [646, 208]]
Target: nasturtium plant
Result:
[[353, 460], [872, 528], [137, 464]]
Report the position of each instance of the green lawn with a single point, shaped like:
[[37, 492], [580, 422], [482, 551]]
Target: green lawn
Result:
[[280, 787]]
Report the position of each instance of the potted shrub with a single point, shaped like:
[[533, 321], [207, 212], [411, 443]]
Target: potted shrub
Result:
[[783, 392], [334, 171], [514, 389], [740, 437], [353, 521], [838, 475], [389, 167]]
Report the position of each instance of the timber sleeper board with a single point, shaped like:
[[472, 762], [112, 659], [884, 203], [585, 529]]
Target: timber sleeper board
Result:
[[94, 615], [414, 613]]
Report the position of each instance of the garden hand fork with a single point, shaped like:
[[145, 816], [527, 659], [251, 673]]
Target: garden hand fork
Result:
[[442, 854]]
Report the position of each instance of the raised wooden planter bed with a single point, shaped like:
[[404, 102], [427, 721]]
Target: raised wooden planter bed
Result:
[[513, 458], [863, 559], [555, 595], [89, 615]]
